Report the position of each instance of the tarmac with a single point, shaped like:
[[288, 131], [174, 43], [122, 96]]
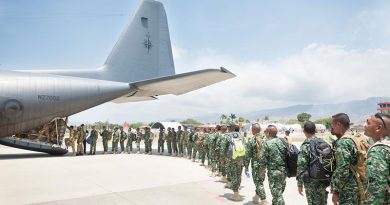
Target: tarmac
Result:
[[36, 178]]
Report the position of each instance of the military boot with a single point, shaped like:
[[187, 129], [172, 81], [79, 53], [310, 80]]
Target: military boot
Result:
[[264, 202], [228, 185], [255, 199], [223, 179], [236, 197]]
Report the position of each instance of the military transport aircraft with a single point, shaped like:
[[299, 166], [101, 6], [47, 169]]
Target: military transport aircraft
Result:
[[140, 67]]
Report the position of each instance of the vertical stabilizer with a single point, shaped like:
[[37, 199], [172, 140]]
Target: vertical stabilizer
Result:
[[144, 49]]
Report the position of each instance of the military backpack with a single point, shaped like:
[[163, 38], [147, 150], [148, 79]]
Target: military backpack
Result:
[[291, 156], [236, 147], [322, 161]]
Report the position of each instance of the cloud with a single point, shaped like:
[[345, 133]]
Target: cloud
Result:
[[319, 73]]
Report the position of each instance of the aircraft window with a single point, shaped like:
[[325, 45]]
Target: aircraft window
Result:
[[144, 22]]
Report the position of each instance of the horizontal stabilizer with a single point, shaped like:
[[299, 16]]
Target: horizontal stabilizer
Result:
[[176, 84]]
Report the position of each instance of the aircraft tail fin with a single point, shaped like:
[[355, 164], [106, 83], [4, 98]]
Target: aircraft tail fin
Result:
[[144, 49]]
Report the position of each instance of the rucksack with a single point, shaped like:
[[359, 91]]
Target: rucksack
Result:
[[322, 161], [236, 147], [359, 169], [291, 156]]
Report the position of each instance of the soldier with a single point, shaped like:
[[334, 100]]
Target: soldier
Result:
[[272, 158], [315, 190], [253, 157], [345, 185], [222, 154], [94, 136], [237, 159], [151, 137], [69, 142], [147, 141], [139, 138], [196, 144], [80, 139], [174, 142], [190, 144], [115, 140], [169, 141], [85, 138], [122, 139], [179, 138], [161, 139], [105, 137], [129, 144], [185, 142], [378, 160], [212, 152], [202, 146]]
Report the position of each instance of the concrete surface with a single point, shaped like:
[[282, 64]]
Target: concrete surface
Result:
[[34, 178]]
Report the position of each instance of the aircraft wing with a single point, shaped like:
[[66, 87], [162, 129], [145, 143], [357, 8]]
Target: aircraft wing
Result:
[[176, 84]]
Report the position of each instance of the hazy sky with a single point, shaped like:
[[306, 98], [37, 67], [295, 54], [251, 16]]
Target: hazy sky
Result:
[[283, 52]]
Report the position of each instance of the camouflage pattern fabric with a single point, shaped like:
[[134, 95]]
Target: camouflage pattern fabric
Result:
[[315, 190], [378, 172], [272, 158], [343, 181]]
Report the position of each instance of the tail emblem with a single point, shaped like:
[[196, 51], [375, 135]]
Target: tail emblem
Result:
[[147, 42]]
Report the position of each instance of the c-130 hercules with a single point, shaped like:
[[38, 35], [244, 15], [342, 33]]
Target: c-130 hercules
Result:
[[140, 67]]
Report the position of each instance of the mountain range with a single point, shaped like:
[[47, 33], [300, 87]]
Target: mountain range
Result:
[[357, 110]]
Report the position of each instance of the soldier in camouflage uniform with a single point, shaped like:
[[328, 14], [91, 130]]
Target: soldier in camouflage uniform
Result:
[[236, 165], [71, 140], [123, 137], [272, 159], [161, 140], [202, 146], [378, 160], [212, 153], [179, 139], [315, 190], [216, 149], [196, 144], [169, 141], [147, 141], [129, 144], [80, 138], [190, 144], [105, 137], [174, 142], [185, 142], [253, 156], [345, 186], [139, 138], [151, 138], [94, 136], [222, 154], [115, 141]]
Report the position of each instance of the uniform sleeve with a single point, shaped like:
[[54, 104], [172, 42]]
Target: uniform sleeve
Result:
[[248, 153], [344, 152], [377, 173], [263, 160], [303, 162]]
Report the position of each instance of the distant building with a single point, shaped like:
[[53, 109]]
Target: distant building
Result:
[[384, 107]]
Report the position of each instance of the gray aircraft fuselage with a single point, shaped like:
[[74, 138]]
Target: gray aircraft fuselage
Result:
[[29, 100]]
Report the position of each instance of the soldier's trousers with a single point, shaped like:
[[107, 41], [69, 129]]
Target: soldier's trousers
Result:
[[105, 145], [174, 147], [150, 145], [213, 161], [202, 153], [122, 146], [228, 165], [258, 181], [92, 148], [80, 148], [277, 184], [236, 172], [160, 146], [195, 150], [222, 166], [189, 149], [180, 146], [169, 146], [185, 151], [316, 193], [138, 145], [146, 142], [114, 146], [129, 146], [349, 195]]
